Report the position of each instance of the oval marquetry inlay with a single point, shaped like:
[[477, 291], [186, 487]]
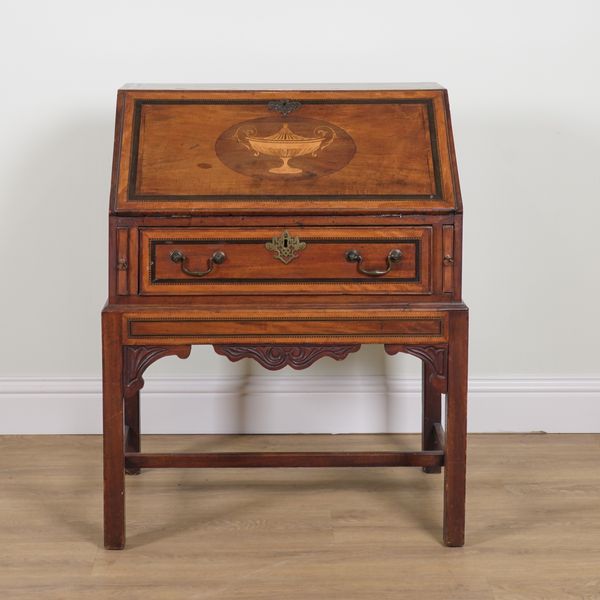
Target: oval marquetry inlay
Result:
[[285, 148]]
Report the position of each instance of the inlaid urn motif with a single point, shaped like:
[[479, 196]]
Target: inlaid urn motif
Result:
[[285, 144], [285, 149]]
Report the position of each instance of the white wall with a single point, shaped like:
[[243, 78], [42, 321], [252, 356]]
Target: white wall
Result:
[[525, 94]]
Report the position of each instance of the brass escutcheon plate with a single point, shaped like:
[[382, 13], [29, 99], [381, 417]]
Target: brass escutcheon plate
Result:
[[285, 247]]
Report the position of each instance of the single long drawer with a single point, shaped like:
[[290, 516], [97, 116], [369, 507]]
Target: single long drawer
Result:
[[280, 326], [198, 261]]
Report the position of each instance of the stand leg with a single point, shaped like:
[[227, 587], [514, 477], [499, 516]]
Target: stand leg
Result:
[[431, 413], [132, 424], [114, 461], [456, 431]]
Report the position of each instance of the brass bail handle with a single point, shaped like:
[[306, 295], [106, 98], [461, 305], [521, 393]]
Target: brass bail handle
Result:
[[218, 258], [393, 257]]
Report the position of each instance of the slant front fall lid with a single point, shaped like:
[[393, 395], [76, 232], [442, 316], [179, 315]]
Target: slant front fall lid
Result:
[[198, 151]]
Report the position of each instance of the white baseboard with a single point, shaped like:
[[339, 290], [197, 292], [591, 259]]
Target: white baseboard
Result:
[[284, 404]]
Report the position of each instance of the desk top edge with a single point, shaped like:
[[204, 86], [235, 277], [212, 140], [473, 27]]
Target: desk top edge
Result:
[[287, 87]]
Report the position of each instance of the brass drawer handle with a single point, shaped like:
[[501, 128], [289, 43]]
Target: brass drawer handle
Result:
[[393, 257], [218, 257]]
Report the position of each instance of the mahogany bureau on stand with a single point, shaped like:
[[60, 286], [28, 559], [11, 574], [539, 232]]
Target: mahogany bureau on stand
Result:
[[285, 224]]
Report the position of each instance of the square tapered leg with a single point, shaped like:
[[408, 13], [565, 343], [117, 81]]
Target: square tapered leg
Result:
[[132, 428], [113, 421], [456, 431], [431, 412]]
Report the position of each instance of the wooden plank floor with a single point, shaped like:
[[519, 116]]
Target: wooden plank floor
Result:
[[533, 524]]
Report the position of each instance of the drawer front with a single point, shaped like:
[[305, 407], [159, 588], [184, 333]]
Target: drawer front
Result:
[[283, 152], [285, 327], [197, 261]]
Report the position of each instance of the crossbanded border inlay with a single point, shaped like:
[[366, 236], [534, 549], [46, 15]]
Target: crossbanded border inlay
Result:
[[154, 242], [133, 196], [440, 333]]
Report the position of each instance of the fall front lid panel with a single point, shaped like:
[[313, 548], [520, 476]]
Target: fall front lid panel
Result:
[[259, 152]]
